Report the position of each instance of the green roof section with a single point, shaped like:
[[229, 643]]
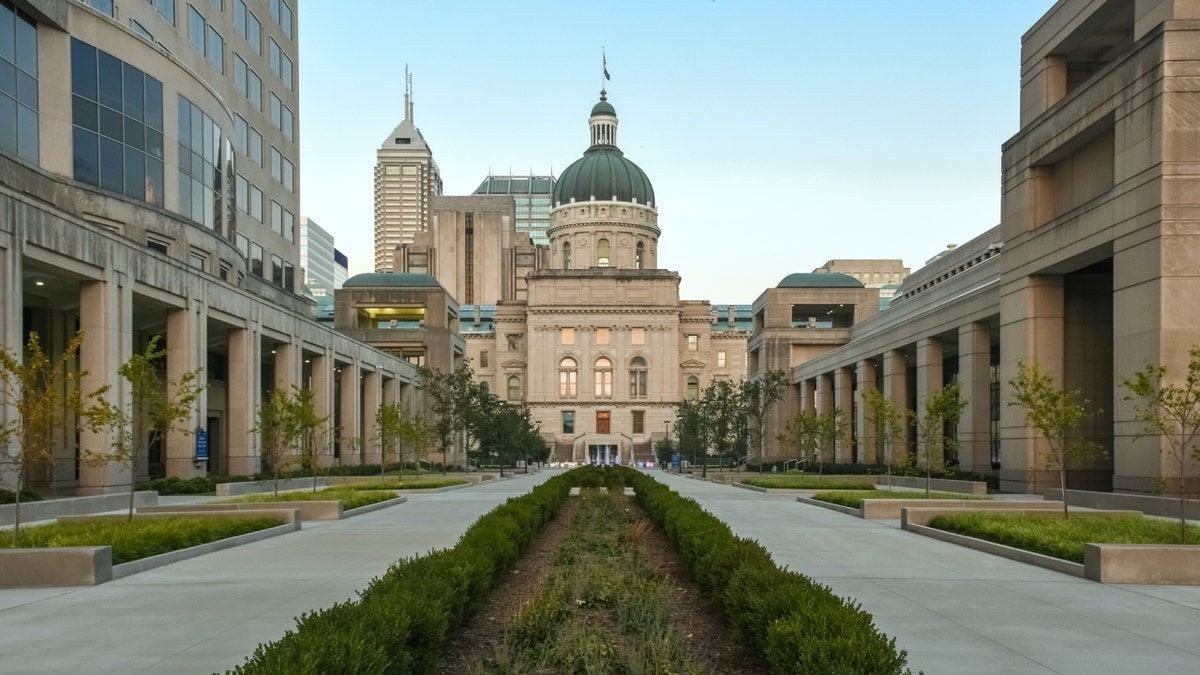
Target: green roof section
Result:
[[604, 108], [604, 173], [389, 280], [819, 280]]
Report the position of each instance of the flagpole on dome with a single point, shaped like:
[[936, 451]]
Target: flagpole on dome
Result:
[[604, 69]]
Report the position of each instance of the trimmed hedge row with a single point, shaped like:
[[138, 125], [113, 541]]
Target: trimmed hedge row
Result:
[[402, 621], [799, 625]]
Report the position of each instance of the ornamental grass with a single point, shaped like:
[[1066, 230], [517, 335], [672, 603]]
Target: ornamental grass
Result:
[[351, 498], [854, 498], [805, 483]]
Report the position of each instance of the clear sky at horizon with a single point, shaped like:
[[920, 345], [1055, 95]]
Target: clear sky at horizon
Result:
[[777, 134]]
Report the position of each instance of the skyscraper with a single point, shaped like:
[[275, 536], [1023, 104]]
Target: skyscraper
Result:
[[406, 177], [532, 195]]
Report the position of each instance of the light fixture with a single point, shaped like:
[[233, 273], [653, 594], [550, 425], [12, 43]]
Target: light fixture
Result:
[[39, 282]]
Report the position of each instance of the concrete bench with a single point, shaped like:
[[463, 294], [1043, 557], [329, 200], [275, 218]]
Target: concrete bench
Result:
[[1142, 563]]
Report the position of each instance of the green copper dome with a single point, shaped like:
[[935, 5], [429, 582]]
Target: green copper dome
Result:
[[819, 280], [388, 279], [604, 108], [604, 173]]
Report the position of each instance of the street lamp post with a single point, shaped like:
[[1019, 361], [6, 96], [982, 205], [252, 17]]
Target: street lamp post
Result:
[[667, 424]]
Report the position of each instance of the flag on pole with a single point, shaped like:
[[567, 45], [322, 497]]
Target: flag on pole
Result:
[[604, 60]]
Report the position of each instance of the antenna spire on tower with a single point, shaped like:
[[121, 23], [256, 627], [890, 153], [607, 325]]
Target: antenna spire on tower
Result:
[[408, 106]]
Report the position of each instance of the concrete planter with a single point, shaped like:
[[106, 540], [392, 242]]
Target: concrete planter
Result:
[[940, 484], [49, 509], [260, 486]]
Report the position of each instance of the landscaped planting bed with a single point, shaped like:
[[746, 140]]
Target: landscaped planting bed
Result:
[[406, 620], [854, 498], [1050, 534], [407, 484], [805, 483], [351, 498], [137, 539]]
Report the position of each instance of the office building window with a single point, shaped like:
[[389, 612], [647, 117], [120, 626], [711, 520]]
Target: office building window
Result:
[[637, 377], [483, 359], [196, 29], [256, 259], [566, 252], [117, 125], [693, 342], [256, 203], [214, 49], [19, 84], [721, 359], [568, 421], [603, 253], [693, 388], [602, 336], [639, 256], [103, 6], [603, 378], [568, 378], [201, 179], [165, 9]]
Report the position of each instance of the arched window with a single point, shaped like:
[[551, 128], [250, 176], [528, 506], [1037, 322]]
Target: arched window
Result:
[[566, 255], [693, 388], [603, 376], [637, 377], [603, 253], [514, 388], [568, 378], [639, 256]]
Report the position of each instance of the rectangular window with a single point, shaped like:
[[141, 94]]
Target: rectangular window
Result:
[[243, 245], [239, 16], [289, 171], [241, 134], [165, 9], [276, 113], [19, 133], [256, 259], [254, 32], [483, 359], [240, 75], [601, 336], [285, 18], [285, 71], [215, 49], [197, 260], [276, 218], [289, 231], [241, 193], [568, 421], [254, 88], [639, 421], [274, 52], [254, 151], [568, 336], [637, 336], [276, 165], [196, 30], [721, 359], [289, 276], [693, 343], [288, 121], [256, 204]]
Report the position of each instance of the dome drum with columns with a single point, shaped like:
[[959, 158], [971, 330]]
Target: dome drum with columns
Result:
[[604, 213]]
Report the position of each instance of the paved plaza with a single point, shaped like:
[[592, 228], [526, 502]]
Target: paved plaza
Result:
[[954, 609]]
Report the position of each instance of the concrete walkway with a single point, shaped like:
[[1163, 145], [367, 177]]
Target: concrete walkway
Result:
[[955, 610], [207, 614], [961, 611]]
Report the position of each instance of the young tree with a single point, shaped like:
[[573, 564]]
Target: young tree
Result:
[[38, 392], [761, 395], [941, 409], [800, 433], [886, 419], [312, 431], [1171, 413], [279, 433], [1054, 412], [389, 430], [153, 410], [829, 427], [449, 397]]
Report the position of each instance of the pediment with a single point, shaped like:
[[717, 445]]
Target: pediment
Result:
[[513, 364], [692, 364]]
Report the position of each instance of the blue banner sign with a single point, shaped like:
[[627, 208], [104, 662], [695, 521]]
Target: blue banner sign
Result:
[[201, 445]]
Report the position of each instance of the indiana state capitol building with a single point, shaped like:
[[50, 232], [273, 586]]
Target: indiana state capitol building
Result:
[[588, 332]]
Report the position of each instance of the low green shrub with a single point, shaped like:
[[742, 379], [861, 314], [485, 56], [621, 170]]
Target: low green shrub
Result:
[[10, 497], [351, 498], [854, 498], [801, 627], [805, 482], [402, 621], [141, 538], [1049, 534]]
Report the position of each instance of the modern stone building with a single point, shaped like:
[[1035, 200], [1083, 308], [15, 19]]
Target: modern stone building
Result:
[[148, 181], [323, 272], [1089, 274], [406, 181]]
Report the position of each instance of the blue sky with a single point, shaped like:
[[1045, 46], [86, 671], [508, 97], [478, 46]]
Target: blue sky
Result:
[[778, 134]]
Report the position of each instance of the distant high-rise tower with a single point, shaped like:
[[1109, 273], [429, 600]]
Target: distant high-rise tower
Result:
[[532, 195], [406, 177]]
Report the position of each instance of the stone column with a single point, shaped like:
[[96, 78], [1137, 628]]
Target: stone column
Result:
[[1031, 311], [843, 397], [11, 333], [372, 393], [868, 452], [929, 384], [106, 319], [322, 389], [895, 388], [288, 362], [350, 390], [245, 456], [975, 374], [187, 351]]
